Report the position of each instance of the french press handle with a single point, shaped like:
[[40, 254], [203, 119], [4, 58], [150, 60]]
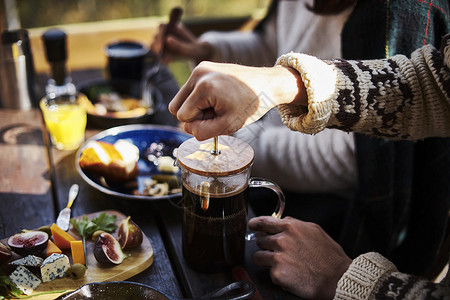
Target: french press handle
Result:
[[255, 182]]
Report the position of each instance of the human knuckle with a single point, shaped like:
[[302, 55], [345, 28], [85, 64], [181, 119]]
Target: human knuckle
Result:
[[277, 258], [315, 226], [203, 66], [278, 241], [288, 226], [275, 275], [278, 275], [204, 83]]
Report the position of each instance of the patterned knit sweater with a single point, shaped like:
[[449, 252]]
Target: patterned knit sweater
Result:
[[396, 98]]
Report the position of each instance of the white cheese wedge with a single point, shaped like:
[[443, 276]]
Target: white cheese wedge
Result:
[[24, 280], [54, 266], [28, 261]]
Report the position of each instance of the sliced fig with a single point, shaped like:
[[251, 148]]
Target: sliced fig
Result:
[[46, 229], [28, 242], [107, 250], [129, 234], [5, 253]]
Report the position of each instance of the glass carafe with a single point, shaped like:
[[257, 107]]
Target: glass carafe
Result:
[[215, 201]]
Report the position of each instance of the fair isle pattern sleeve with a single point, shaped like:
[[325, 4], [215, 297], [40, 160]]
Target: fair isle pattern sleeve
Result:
[[372, 277], [395, 98]]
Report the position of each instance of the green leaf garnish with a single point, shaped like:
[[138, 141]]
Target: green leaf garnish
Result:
[[86, 227], [8, 289]]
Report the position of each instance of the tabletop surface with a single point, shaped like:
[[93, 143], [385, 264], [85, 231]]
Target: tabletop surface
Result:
[[35, 179]]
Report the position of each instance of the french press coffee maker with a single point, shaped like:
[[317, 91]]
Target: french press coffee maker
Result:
[[215, 181]]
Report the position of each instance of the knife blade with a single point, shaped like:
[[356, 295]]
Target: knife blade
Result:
[[63, 219]]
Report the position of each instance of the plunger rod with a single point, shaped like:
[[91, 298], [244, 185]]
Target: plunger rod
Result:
[[216, 150]]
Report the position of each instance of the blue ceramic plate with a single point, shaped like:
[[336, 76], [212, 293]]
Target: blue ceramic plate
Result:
[[152, 141]]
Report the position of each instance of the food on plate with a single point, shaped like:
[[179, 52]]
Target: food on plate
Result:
[[28, 261], [114, 105], [115, 162], [129, 234], [89, 227], [154, 188], [61, 238], [24, 279], [5, 253], [28, 242], [46, 229], [77, 250], [166, 182], [52, 248], [96, 234], [160, 185], [76, 271], [22, 275], [55, 266], [167, 164], [107, 250]]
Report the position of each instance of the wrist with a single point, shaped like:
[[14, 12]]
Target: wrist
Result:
[[301, 97], [287, 86]]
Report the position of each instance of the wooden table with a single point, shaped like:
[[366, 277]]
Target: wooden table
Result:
[[34, 182]]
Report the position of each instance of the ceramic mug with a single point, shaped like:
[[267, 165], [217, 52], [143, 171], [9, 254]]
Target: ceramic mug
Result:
[[126, 60]]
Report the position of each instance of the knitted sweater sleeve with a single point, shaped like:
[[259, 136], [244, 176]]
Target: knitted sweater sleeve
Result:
[[371, 276], [395, 98]]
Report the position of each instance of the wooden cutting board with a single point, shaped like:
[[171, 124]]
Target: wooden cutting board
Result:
[[139, 260]]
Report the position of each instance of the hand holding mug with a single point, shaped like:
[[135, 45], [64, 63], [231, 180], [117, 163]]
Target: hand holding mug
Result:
[[302, 258]]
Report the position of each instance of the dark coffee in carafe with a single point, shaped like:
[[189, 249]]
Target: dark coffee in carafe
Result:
[[214, 227], [216, 178]]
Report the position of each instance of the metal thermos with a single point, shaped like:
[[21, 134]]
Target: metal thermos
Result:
[[18, 86]]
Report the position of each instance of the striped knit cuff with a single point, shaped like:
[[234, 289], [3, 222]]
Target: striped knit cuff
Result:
[[364, 276], [319, 79]]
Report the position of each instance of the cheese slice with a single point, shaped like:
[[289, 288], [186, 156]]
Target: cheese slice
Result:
[[54, 266], [28, 261], [26, 281]]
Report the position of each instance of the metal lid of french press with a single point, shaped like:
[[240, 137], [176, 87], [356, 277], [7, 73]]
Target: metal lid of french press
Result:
[[232, 156]]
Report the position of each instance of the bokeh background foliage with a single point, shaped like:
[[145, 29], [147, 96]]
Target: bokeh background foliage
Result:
[[42, 13]]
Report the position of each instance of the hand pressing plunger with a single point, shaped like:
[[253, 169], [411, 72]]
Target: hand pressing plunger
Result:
[[219, 99]]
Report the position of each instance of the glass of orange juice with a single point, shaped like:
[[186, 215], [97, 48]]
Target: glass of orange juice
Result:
[[65, 119]]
